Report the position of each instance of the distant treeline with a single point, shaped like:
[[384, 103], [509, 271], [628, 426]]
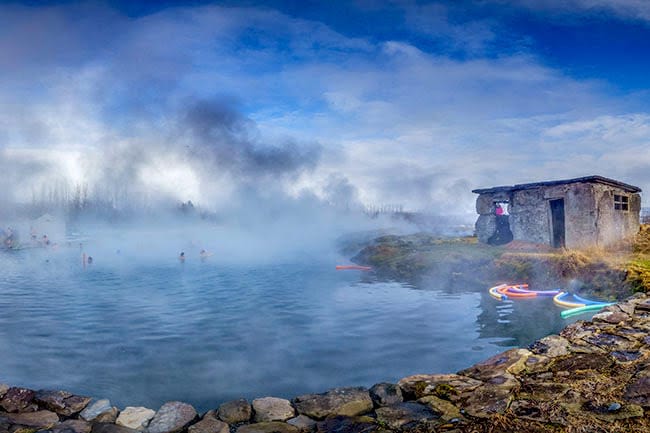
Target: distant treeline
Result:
[[81, 201], [373, 211]]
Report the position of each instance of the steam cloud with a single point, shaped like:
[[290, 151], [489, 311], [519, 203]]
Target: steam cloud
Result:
[[205, 146], [224, 136], [210, 103]]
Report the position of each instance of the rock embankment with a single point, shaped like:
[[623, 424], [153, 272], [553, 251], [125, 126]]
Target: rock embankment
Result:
[[592, 377]]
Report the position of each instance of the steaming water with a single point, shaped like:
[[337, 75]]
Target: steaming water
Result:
[[207, 332]]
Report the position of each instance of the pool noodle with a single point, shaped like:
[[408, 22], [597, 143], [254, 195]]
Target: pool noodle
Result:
[[537, 292], [504, 290], [587, 301], [496, 294], [557, 299], [579, 310]]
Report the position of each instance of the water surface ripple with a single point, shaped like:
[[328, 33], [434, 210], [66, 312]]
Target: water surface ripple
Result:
[[204, 332]]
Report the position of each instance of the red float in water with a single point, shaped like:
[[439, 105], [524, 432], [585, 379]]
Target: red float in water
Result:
[[353, 268]]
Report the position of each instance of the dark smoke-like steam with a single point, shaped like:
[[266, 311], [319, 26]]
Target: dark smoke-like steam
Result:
[[230, 140], [340, 193], [209, 142]]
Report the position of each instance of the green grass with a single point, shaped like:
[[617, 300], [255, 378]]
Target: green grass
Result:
[[638, 274], [603, 274]]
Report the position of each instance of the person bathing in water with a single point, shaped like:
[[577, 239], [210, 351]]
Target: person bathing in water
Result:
[[181, 257], [204, 255], [86, 259]]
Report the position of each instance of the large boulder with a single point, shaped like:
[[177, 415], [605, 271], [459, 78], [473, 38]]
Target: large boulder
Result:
[[485, 204], [61, 402], [539, 411], [551, 346], [486, 226], [585, 337], [611, 316], [543, 391], [638, 391], [537, 364], [512, 361], [347, 424], [235, 411], [384, 394], [209, 424], [447, 386], [338, 401], [172, 417], [304, 423], [582, 361], [135, 418], [109, 416], [272, 409], [99, 409], [268, 427], [39, 420], [397, 415], [72, 426], [102, 427], [445, 409], [488, 400], [17, 399]]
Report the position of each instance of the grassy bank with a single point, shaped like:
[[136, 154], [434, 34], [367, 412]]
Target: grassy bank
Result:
[[638, 267], [419, 255], [608, 275]]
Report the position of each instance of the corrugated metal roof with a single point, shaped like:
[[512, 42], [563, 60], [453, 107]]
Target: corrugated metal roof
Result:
[[586, 179]]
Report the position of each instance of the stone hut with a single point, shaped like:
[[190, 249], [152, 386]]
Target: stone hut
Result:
[[571, 213]]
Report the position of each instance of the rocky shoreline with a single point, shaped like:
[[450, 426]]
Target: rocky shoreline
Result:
[[592, 377]]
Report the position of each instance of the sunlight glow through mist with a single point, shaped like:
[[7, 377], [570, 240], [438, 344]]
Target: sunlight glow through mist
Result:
[[166, 175]]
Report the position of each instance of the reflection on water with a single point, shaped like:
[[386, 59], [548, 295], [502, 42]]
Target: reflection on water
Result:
[[205, 332], [520, 322]]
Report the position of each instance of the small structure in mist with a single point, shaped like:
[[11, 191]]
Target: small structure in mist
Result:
[[572, 213]]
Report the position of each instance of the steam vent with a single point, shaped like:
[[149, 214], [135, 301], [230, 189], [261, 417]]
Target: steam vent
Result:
[[572, 213]]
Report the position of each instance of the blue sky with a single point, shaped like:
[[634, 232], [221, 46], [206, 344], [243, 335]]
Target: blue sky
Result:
[[352, 102]]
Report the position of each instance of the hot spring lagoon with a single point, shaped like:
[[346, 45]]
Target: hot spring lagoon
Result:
[[206, 333]]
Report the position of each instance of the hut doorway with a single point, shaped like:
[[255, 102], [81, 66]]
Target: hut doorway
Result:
[[557, 223]]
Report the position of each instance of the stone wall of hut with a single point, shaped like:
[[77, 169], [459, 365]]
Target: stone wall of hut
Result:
[[529, 220], [580, 215], [531, 214], [589, 214], [486, 223], [614, 225]]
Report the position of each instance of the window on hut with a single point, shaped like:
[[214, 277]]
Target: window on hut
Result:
[[621, 202]]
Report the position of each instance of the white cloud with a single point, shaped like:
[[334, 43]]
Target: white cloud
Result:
[[627, 9], [399, 124], [434, 21], [608, 129]]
